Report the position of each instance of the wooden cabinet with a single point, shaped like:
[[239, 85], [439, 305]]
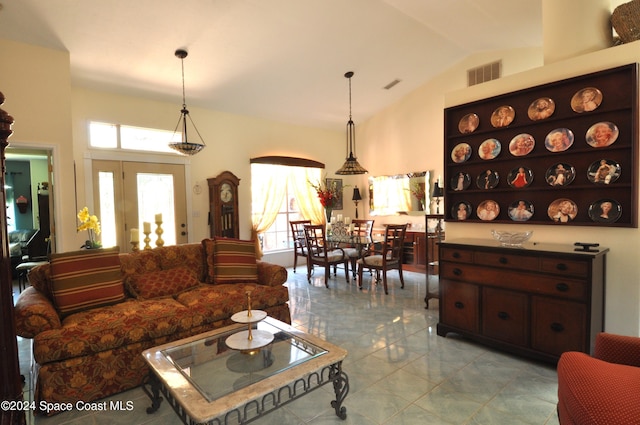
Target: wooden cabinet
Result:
[[539, 301], [414, 255]]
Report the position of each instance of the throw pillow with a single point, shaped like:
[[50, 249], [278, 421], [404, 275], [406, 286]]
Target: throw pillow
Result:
[[86, 279], [162, 283], [234, 261]]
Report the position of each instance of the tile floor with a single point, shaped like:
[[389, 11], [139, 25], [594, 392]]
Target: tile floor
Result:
[[400, 372]]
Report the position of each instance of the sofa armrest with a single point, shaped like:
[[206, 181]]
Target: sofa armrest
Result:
[[35, 313], [618, 349], [271, 274]]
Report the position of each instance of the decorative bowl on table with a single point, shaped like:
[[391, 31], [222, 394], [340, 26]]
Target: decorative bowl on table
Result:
[[511, 238]]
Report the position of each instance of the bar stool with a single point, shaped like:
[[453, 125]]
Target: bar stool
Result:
[[23, 272]]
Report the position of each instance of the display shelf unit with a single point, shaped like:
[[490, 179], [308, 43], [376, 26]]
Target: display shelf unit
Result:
[[619, 105]]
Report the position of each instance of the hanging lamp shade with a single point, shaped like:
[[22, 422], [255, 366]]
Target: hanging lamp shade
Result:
[[351, 165], [186, 146]]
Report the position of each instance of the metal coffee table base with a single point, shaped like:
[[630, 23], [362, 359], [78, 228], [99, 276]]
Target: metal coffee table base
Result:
[[269, 402]]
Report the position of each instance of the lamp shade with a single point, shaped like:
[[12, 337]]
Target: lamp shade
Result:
[[356, 195], [438, 192]]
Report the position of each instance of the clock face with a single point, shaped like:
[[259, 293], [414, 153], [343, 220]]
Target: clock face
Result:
[[226, 193]]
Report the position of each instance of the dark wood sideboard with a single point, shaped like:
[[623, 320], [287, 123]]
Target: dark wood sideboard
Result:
[[538, 300]]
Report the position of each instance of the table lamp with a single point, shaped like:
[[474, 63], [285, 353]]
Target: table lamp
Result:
[[356, 198], [437, 194]]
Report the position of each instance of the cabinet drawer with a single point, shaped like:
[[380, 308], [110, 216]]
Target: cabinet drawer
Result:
[[565, 267], [508, 279], [507, 260], [459, 305], [452, 254], [558, 326], [505, 316]]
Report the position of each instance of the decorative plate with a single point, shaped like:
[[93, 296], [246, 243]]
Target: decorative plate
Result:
[[520, 177], [586, 100], [559, 140], [603, 171], [468, 123], [602, 134], [520, 210], [560, 174], [562, 210], [488, 210], [605, 211], [461, 153], [522, 144], [503, 116], [488, 179], [460, 181], [541, 109], [461, 210], [489, 149]]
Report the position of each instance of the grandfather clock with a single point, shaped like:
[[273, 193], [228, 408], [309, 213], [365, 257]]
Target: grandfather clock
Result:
[[223, 205], [10, 381]]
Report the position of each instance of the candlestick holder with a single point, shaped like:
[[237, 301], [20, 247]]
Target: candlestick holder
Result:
[[159, 232], [135, 246], [147, 239]]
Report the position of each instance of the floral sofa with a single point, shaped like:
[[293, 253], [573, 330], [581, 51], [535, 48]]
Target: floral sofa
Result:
[[88, 348]]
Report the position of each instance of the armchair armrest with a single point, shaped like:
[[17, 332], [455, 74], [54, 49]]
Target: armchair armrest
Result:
[[271, 274], [34, 313], [618, 349]]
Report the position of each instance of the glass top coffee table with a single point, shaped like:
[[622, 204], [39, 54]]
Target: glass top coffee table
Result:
[[205, 381]]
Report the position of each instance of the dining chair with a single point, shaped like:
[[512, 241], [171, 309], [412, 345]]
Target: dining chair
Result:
[[362, 231], [322, 254], [387, 256], [299, 243]]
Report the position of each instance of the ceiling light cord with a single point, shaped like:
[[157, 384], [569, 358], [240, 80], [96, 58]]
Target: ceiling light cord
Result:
[[351, 165], [185, 147]]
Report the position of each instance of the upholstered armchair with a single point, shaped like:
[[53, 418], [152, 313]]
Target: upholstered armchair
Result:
[[603, 389]]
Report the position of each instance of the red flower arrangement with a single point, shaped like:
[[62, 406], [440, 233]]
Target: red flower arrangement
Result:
[[328, 195]]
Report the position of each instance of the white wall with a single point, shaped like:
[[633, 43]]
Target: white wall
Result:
[[413, 130]]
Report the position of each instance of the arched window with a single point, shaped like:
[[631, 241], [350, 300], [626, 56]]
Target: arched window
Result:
[[281, 192]]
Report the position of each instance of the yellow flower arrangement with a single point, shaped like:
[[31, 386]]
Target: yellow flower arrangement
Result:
[[91, 224]]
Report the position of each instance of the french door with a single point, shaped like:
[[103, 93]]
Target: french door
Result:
[[128, 194]]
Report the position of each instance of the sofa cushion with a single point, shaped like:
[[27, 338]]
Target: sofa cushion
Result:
[[185, 255], [86, 279], [210, 303], [230, 261], [106, 328], [162, 283]]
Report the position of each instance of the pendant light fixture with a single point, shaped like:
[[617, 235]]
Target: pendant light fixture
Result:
[[351, 165], [185, 146]]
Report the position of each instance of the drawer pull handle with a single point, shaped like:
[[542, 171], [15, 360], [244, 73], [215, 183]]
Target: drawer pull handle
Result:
[[457, 271], [458, 305], [503, 315], [503, 260], [557, 327], [456, 255], [562, 287], [561, 266]]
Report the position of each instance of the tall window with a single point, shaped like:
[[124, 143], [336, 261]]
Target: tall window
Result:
[[280, 194], [278, 236]]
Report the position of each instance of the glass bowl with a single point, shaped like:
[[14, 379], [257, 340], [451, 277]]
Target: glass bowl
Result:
[[511, 238]]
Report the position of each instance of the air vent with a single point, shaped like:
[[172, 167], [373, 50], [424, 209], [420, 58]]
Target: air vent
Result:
[[391, 84], [484, 73]]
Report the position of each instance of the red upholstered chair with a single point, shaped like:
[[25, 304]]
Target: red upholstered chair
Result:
[[603, 389]]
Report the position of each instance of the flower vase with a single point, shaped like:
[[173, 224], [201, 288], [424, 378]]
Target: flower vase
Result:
[[327, 212]]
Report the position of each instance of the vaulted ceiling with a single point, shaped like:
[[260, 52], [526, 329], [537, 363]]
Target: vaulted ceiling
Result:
[[277, 59]]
